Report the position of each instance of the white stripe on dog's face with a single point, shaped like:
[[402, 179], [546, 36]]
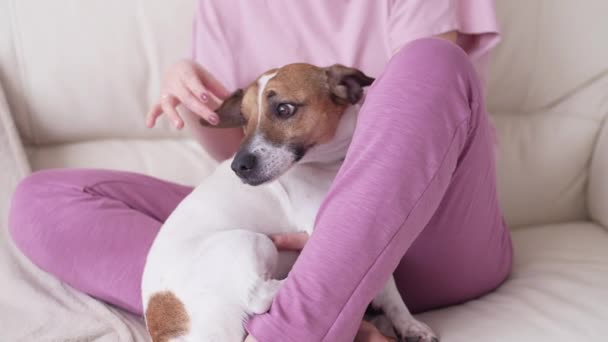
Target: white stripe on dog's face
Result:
[[262, 82], [273, 160]]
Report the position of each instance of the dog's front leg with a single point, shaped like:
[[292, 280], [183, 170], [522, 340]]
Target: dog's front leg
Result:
[[406, 326], [261, 295]]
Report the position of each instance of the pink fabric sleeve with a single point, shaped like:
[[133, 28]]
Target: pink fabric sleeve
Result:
[[475, 20]]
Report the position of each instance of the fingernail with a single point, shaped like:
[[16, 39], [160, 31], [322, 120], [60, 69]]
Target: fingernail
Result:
[[204, 97], [213, 119]]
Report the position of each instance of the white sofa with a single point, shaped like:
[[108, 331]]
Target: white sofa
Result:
[[77, 77]]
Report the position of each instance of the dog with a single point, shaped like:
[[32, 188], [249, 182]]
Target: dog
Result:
[[212, 264]]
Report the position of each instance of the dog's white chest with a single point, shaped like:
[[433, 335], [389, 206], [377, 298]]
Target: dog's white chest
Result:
[[306, 187]]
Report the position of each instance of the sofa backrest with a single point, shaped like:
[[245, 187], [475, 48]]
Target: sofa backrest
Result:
[[548, 94], [77, 70]]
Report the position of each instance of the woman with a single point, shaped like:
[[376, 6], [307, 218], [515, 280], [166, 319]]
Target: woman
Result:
[[416, 194]]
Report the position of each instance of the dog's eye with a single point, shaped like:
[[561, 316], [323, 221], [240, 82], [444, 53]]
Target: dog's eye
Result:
[[285, 110]]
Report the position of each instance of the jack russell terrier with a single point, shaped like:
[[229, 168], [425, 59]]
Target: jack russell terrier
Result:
[[212, 264]]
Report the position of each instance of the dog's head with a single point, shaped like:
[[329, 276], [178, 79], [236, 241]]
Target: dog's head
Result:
[[285, 113]]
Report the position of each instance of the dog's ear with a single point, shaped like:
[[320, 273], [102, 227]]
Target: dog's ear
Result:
[[346, 84], [229, 112]]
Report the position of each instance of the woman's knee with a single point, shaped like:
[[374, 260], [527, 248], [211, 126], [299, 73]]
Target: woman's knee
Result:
[[30, 215], [428, 79], [436, 65], [433, 57], [428, 82]]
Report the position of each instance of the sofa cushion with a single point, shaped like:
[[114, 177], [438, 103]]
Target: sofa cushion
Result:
[[179, 160], [89, 70], [547, 93], [545, 156], [549, 50], [557, 291]]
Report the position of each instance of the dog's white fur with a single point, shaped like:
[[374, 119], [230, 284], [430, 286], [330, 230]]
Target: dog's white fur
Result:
[[214, 254]]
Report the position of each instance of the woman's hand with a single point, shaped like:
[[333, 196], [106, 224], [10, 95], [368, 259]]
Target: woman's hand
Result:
[[367, 333], [188, 84], [289, 241], [295, 242]]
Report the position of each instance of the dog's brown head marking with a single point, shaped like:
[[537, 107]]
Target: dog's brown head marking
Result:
[[287, 111], [166, 317]]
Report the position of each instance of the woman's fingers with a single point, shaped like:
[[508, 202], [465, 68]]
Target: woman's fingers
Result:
[[190, 85], [196, 87], [290, 241], [213, 85], [213, 101], [154, 113], [168, 105], [196, 106]]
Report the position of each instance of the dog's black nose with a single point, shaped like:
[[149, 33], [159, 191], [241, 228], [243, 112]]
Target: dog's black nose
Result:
[[244, 163]]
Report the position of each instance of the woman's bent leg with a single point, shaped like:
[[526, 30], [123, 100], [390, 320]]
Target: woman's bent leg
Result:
[[421, 159], [92, 228]]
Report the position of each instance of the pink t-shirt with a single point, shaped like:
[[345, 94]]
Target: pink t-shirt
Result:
[[237, 40]]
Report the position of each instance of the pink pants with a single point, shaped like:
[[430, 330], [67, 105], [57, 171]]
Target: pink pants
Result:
[[416, 196]]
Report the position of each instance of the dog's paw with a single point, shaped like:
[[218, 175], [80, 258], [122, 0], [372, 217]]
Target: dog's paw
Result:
[[261, 298], [414, 331]]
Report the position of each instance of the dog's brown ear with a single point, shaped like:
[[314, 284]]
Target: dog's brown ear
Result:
[[346, 84], [229, 112]]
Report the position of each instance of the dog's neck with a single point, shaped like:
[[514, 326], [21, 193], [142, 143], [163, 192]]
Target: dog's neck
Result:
[[334, 151]]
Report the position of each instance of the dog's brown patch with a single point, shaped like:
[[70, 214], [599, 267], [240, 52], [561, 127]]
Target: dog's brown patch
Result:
[[317, 120], [166, 317], [321, 94]]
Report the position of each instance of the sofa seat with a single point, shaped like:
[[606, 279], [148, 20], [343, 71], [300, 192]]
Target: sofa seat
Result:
[[557, 291]]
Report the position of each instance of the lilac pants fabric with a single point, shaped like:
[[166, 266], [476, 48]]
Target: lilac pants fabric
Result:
[[416, 196]]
